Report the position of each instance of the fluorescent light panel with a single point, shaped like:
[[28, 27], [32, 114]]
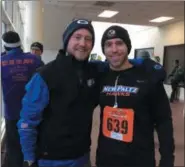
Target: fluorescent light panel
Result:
[[161, 19], [108, 13]]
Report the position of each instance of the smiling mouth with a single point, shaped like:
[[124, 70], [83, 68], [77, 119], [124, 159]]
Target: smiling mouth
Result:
[[115, 57], [81, 50]]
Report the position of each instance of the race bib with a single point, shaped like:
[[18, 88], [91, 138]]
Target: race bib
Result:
[[118, 123]]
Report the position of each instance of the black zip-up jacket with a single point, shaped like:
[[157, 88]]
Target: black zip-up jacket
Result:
[[65, 130], [143, 92]]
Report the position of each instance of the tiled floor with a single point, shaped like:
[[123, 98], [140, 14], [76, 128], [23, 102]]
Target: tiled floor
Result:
[[178, 121]]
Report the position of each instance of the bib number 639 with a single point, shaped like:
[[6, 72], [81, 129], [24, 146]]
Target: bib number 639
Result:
[[118, 123]]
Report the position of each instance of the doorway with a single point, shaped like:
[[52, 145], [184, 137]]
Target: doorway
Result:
[[172, 53]]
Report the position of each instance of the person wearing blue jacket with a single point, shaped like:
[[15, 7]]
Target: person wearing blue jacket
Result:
[[3, 53], [56, 116], [16, 70]]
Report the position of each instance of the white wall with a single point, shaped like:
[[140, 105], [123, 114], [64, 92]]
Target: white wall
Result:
[[49, 55], [55, 21], [172, 34], [159, 37], [145, 39]]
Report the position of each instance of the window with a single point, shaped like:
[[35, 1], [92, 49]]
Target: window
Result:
[[4, 4], [3, 28], [9, 9], [144, 53]]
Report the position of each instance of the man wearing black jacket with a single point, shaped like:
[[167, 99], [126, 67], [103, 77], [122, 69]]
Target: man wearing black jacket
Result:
[[133, 103], [56, 116]]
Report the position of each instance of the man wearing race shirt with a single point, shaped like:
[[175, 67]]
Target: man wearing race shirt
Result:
[[133, 103]]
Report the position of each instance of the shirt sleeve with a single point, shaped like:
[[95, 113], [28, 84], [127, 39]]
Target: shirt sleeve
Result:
[[162, 116], [151, 67], [33, 104]]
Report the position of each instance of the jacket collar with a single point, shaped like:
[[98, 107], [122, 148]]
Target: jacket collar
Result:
[[16, 50], [68, 62]]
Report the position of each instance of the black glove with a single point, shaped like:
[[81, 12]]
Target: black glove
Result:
[[26, 164]]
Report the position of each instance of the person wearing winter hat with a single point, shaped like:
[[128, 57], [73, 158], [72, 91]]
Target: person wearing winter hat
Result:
[[56, 115], [17, 68], [11, 40], [78, 39], [116, 34], [36, 48], [133, 102]]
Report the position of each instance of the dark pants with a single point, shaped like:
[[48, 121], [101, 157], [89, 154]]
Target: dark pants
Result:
[[177, 93], [174, 91], [14, 157]]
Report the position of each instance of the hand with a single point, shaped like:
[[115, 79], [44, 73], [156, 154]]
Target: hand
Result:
[[29, 164]]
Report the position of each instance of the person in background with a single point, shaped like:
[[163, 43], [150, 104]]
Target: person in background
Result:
[[17, 68], [157, 59], [144, 54], [36, 48], [133, 103], [177, 76], [3, 53]]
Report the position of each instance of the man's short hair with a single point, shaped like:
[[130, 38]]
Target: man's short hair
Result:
[[37, 45]]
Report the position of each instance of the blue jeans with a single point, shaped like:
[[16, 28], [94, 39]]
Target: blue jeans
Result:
[[83, 161]]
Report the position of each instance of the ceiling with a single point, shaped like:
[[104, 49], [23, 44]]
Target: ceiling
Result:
[[130, 12]]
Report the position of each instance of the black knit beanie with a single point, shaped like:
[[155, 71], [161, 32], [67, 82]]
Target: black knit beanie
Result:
[[116, 32], [74, 26]]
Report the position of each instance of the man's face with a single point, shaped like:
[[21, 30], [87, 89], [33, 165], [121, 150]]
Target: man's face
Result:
[[116, 53], [80, 44], [36, 51]]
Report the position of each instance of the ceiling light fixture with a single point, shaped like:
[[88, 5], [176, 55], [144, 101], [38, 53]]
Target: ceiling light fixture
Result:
[[108, 13], [161, 19]]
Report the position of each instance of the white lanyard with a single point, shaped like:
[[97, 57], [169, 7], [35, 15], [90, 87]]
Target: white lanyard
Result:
[[115, 97]]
